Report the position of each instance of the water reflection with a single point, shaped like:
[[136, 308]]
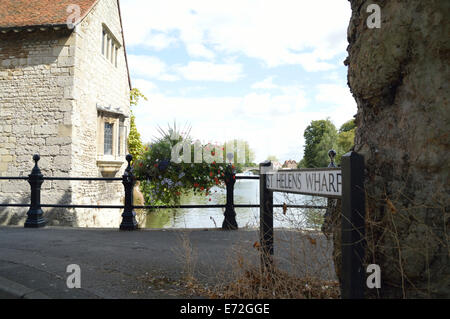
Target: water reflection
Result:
[[246, 192]]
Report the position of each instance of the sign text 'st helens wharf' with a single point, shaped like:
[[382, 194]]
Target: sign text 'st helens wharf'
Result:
[[320, 182]]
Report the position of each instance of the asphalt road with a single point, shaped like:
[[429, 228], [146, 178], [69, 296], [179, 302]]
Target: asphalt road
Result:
[[144, 263]]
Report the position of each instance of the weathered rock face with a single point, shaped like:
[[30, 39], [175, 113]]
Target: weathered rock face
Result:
[[399, 77]]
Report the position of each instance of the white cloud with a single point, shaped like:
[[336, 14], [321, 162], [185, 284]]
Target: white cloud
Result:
[[272, 117], [149, 67], [267, 83], [145, 86], [335, 94], [272, 123], [309, 33], [159, 41], [199, 51], [309, 61], [342, 104], [208, 71]]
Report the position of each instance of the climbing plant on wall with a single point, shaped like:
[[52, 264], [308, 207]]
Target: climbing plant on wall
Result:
[[135, 146]]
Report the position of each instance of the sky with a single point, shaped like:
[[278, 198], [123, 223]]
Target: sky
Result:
[[249, 69]]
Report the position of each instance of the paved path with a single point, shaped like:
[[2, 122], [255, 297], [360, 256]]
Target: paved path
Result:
[[140, 264]]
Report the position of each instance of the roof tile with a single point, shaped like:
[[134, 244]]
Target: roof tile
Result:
[[25, 13]]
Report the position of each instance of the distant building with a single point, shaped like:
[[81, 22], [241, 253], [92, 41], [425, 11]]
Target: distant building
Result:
[[64, 94], [290, 164], [276, 165]]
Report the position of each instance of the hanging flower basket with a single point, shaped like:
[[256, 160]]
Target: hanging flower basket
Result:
[[165, 180]]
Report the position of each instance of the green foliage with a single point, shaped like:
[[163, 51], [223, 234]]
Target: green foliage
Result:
[[346, 138], [348, 126], [313, 218], [249, 154], [164, 180], [272, 158], [135, 146], [322, 136], [135, 96]]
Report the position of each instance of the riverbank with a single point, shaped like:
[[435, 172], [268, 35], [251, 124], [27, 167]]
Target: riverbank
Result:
[[141, 264]]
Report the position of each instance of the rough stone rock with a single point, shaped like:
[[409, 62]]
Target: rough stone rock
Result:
[[399, 76]]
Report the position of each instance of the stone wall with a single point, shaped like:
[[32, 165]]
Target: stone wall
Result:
[[399, 76], [50, 85], [36, 75], [98, 81]]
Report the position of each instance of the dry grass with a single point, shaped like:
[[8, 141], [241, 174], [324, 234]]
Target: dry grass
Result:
[[187, 256], [409, 238], [275, 284], [303, 268], [247, 281]]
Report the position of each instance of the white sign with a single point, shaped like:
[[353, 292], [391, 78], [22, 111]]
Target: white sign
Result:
[[319, 182]]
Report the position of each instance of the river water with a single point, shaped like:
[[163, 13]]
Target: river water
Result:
[[245, 192]]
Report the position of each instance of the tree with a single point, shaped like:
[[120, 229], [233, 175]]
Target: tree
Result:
[[135, 146], [320, 137], [403, 134], [249, 154], [346, 138], [348, 126], [272, 158]]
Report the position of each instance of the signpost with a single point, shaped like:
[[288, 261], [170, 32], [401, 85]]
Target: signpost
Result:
[[344, 183], [320, 182]]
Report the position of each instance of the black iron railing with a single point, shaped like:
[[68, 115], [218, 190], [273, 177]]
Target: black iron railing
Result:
[[35, 214], [353, 208]]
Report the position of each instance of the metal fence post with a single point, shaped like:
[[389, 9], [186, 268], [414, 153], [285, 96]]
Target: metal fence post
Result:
[[353, 226], [229, 223], [128, 216], [35, 214], [265, 218]]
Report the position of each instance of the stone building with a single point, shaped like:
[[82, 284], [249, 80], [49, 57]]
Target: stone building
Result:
[[64, 94], [277, 165]]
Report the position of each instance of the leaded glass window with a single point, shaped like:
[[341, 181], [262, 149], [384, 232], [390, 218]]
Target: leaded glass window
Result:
[[108, 139]]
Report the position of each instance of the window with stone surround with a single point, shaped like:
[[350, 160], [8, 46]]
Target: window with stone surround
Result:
[[108, 139], [111, 141], [110, 46]]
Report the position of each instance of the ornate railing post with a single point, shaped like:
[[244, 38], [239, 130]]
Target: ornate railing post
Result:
[[229, 223], [332, 155], [35, 214], [128, 216]]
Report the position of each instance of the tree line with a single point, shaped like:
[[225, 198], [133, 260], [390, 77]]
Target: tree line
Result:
[[322, 136]]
